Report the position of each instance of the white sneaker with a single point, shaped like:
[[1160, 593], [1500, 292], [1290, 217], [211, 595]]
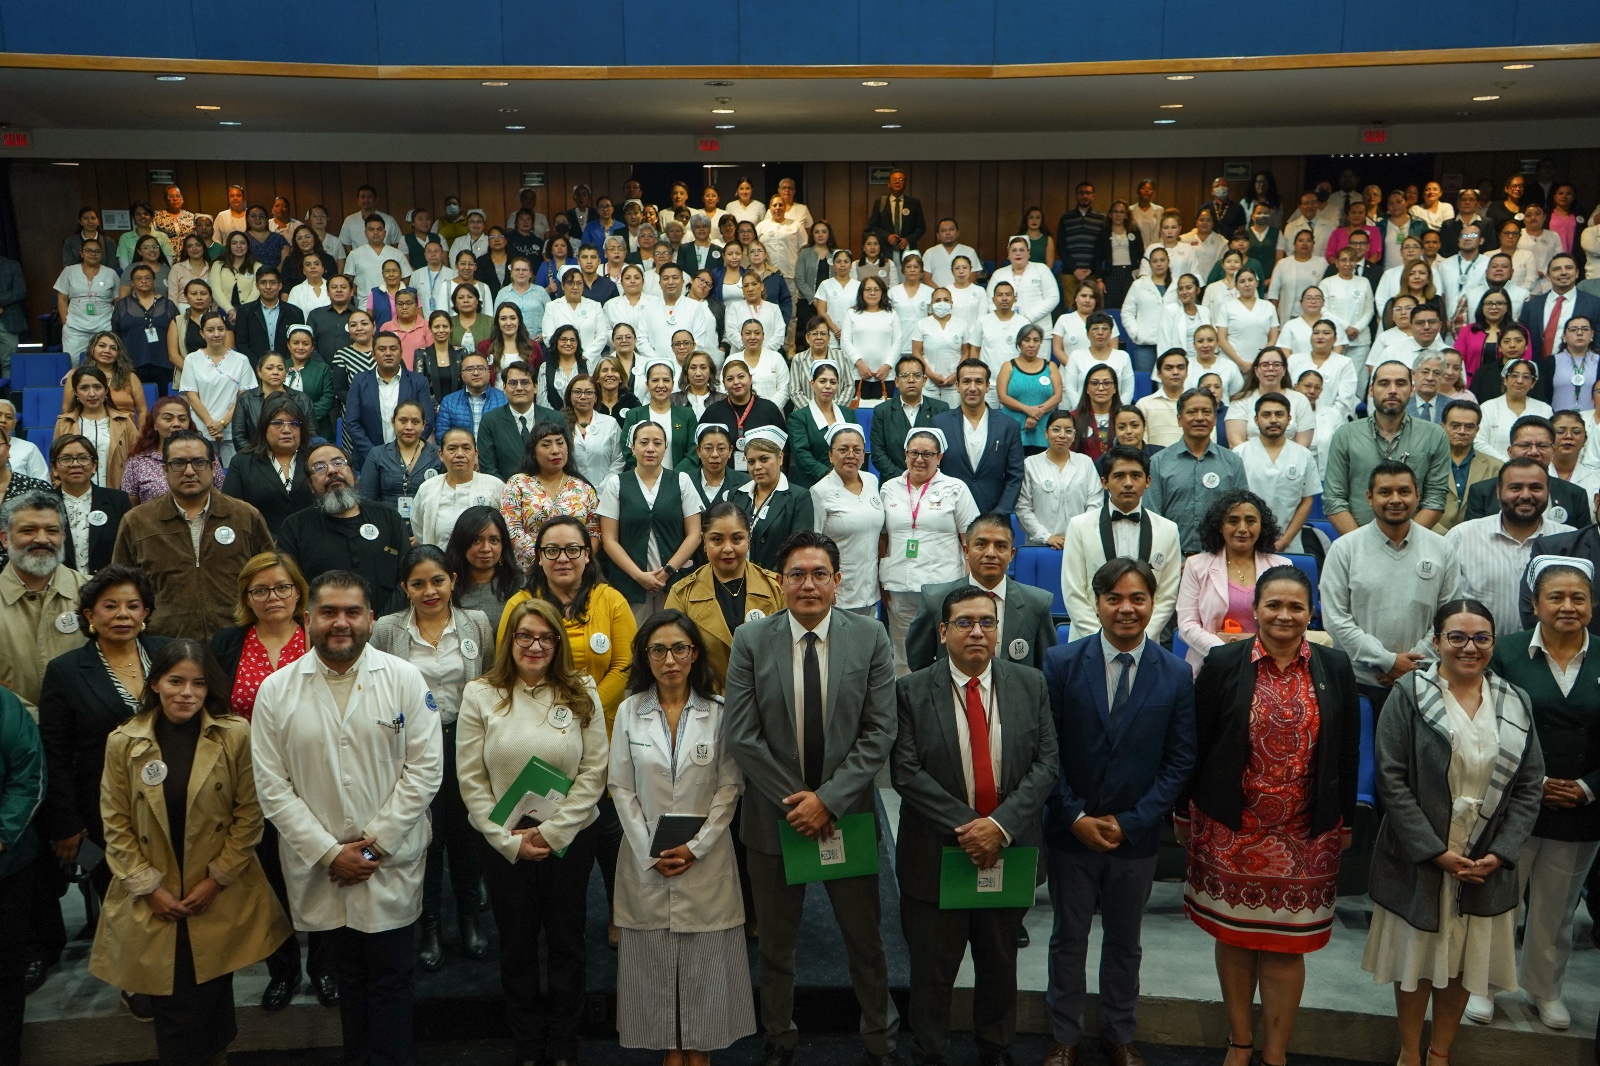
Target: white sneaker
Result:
[[1552, 1012], [1480, 1009]]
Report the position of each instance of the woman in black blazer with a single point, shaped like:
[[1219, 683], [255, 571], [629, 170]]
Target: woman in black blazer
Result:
[[776, 508], [1117, 278], [1269, 808], [73, 461], [85, 695], [270, 472]]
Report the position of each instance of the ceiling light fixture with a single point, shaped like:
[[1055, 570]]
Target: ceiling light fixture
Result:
[[516, 127], [495, 84], [180, 77], [1180, 77], [509, 110], [1165, 121], [208, 107], [725, 126], [1517, 66], [886, 110], [1170, 107], [722, 110], [1484, 99], [230, 122], [719, 84], [874, 84], [59, 164], [891, 125]]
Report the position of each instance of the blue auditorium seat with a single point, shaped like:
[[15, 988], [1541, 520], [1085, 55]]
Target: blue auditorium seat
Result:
[[1308, 564], [1143, 385], [40, 406], [39, 370], [1041, 567], [1064, 633], [1367, 773]]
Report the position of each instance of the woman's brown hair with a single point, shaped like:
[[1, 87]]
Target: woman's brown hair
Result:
[[566, 684]]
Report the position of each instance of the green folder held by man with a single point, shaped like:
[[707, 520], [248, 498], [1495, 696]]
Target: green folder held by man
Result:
[[1009, 883], [852, 851]]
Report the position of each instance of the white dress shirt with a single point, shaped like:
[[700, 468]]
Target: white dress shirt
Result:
[[855, 523], [936, 263], [353, 231], [1114, 669]]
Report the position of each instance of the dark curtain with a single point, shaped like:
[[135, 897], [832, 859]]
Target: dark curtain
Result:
[[10, 245]]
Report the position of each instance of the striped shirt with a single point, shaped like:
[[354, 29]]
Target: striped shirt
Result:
[[1493, 562]]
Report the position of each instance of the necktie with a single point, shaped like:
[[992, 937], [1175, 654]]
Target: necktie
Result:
[[984, 800], [1427, 410], [894, 211], [1121, 516], [522, 425], [813, 714], [1120, 699], [1550, 326]]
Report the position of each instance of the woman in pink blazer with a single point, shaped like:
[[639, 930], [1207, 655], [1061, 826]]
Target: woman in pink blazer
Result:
[[1216, 601]]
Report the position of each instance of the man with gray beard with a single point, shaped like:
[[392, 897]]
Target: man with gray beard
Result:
[[341, 531], [38, 593]]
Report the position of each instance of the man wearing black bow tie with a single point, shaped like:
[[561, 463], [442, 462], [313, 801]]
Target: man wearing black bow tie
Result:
[[1122, 527]]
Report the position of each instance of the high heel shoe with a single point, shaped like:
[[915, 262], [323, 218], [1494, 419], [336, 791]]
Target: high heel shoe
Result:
[[1250, 1047], [1443, 1058]]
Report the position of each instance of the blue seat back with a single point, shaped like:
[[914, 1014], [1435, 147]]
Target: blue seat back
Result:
[[1041, 567], [39, 370], [1308, 564], [1367, 773], [1064, 633], [1316, 506], [40, 406], [1143, 385]]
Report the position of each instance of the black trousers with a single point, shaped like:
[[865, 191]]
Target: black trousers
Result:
[[196, 1022], [377, 989], [46, 932], [608, 844], [284, 963], [159, 376], [938, 940], [453, 835], [16, 904], [548, 897]]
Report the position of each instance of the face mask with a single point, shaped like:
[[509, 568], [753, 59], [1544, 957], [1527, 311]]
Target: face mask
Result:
[[1322, 195], [941, 308], [1220, 192], [452, 210]]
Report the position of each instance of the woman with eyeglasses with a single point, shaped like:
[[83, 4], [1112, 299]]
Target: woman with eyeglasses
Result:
[[1518, 377], [595, 437], [451, 646], [683, 969], [563, 361], [270, 472], [479, 557], [272, 374], [1460, 779], [94, 513], [549, 484], [534, 702], [1268, 373], [819, 345], [846, 505]]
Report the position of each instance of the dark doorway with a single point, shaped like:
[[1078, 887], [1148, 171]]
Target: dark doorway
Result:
[[657, 179], [1388, 172]]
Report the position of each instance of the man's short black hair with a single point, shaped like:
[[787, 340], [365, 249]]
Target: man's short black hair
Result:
[[807, 538], [340, 579], [181, 435], [1390, 468], [1536, 422], [959, 595], [1124, 453], [1114, 570], [1521, 462]]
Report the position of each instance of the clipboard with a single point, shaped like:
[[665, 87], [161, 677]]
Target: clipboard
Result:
[[1009, 883], [852, 852], [674, 830]]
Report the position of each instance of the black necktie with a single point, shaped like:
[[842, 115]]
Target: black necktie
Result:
[[1120, 699], [522, 425], [813, 715]]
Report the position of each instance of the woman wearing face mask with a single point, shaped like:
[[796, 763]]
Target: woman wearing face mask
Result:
[[939, 341], [1180, 324], [649, 522], [1058, 484], [1461, 774], [1029, 388]]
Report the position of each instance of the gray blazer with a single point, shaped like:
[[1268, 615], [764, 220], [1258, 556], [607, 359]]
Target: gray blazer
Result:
[[760, 720], [1028, 619], [931, 779], [1413, 759], [389, 635]]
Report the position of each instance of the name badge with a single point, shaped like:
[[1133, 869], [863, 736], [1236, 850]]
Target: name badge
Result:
[[67, 622], [754, 614], [150, 335], [1048, 484], [404, 505], [469, 648], [369, 531], [1425, 570], [154, 772], [830, 852], [224, 535], [1211, 480], [876, 502], [599, 643], [98, 518], [702, 753], [1558, 513], [994, 878], [561, 717], [426, 474], [911, 548], [1019, 648]]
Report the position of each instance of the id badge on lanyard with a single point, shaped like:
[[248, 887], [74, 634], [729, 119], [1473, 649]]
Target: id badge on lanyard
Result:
[[913, 545]]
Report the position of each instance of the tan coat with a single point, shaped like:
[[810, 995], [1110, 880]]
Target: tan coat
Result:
[[35, 629], [123, 435], [697, 597], [133, 949]]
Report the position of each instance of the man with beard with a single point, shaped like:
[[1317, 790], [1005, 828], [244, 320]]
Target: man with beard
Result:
[[348, 754], [341, 531], [1386, 434], [1494, 551], [192, 542]]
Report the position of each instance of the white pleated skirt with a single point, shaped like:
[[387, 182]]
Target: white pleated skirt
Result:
[[683, 990]]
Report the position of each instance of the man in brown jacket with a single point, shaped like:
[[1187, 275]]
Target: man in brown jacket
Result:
[[192, 542]]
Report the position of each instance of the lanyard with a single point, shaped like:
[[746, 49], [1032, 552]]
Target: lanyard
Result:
[[916, 505], [740, 418]]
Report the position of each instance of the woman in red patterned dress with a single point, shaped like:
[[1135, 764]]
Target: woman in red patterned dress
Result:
[[1269, 808]]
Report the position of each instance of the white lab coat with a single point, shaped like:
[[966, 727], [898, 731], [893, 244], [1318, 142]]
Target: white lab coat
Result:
[[706, 897], [325, 780]]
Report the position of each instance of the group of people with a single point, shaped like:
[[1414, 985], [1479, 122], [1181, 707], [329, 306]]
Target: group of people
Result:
[[456, 520]]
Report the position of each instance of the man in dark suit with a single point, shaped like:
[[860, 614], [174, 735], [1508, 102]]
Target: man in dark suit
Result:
[[503, 432], [893, 419], [897, 218], [363, 414], [1027, 629], [263, 324], [1533, 437], [974, 762], [996, 478], [811, 721], [1128, 706], [1554, 308]]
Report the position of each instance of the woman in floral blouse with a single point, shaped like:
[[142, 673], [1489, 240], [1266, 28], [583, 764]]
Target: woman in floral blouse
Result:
[[143, 475], [547, 485]]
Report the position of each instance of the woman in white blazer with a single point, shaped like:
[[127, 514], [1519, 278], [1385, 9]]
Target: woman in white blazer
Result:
[[1216, 598], [683, 973], [1144, 307], [533, 703], [1058, 484]]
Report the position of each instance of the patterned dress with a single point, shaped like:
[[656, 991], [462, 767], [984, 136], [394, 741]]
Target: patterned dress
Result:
[[526, 506], [1270, 886]]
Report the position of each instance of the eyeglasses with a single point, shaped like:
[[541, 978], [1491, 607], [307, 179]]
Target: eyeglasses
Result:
[[176, 465], [921, 454], [659, 652], [851, 449], [800, 577], [965, 624], [1458, 640], [272, 592], [279, 423], [330, 464], [556, 551], [911, 375], [74, 460], [528, 640]]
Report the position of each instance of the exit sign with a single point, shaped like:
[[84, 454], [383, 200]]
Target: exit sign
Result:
[[1374, 136], [15, 139], [708, 144]]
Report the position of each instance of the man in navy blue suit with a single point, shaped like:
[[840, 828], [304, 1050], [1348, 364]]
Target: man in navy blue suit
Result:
[[1124, 709], [985, 447], [375, 393]]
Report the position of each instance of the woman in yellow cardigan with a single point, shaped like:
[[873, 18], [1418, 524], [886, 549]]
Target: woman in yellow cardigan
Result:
[[600, 629], [188, 903]]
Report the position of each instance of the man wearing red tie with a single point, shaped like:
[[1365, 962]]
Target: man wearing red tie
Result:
[[974, 762], [1547, 314]]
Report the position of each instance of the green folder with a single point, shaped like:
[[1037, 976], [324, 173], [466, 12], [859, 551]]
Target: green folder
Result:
[[852, 853], [962, 886], [533, 797]]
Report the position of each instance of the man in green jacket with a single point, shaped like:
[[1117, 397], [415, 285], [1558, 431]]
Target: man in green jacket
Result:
[[892, 419]]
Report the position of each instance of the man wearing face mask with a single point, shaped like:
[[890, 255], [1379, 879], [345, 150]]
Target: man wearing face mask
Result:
[[1229, 215], [341, 531], [450, 225]]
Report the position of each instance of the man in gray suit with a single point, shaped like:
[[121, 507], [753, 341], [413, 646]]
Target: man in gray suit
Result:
[[1027, 629], [974, 762], [810, 719]]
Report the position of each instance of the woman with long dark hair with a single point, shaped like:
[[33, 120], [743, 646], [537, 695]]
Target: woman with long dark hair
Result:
[[269, 473], [479, 557], [547, 485], [144, 477], [563, 361], [1095, 418]]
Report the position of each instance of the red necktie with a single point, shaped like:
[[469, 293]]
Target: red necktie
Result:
[[982, 763], [1550, 326]]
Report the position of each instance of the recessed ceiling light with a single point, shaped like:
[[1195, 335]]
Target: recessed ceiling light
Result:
[[229, 122], [722, 110], [725, 126], [891, 125], [1165, 121], [1517, 66], [1483, 99], [719, 84], [516, 127], [1180, 77], [180, 77], [886, 110], [508, 110], [874, 84], [208, 107], [64, 164], [495, 84], [1170, 107]]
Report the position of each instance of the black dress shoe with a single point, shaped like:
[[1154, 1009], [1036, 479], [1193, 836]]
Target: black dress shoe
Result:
[[430, 953], [327, 990], [34, 976], [1022, 942], [474, 945], [138, 1005], [279, 992], [777, 1056]]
